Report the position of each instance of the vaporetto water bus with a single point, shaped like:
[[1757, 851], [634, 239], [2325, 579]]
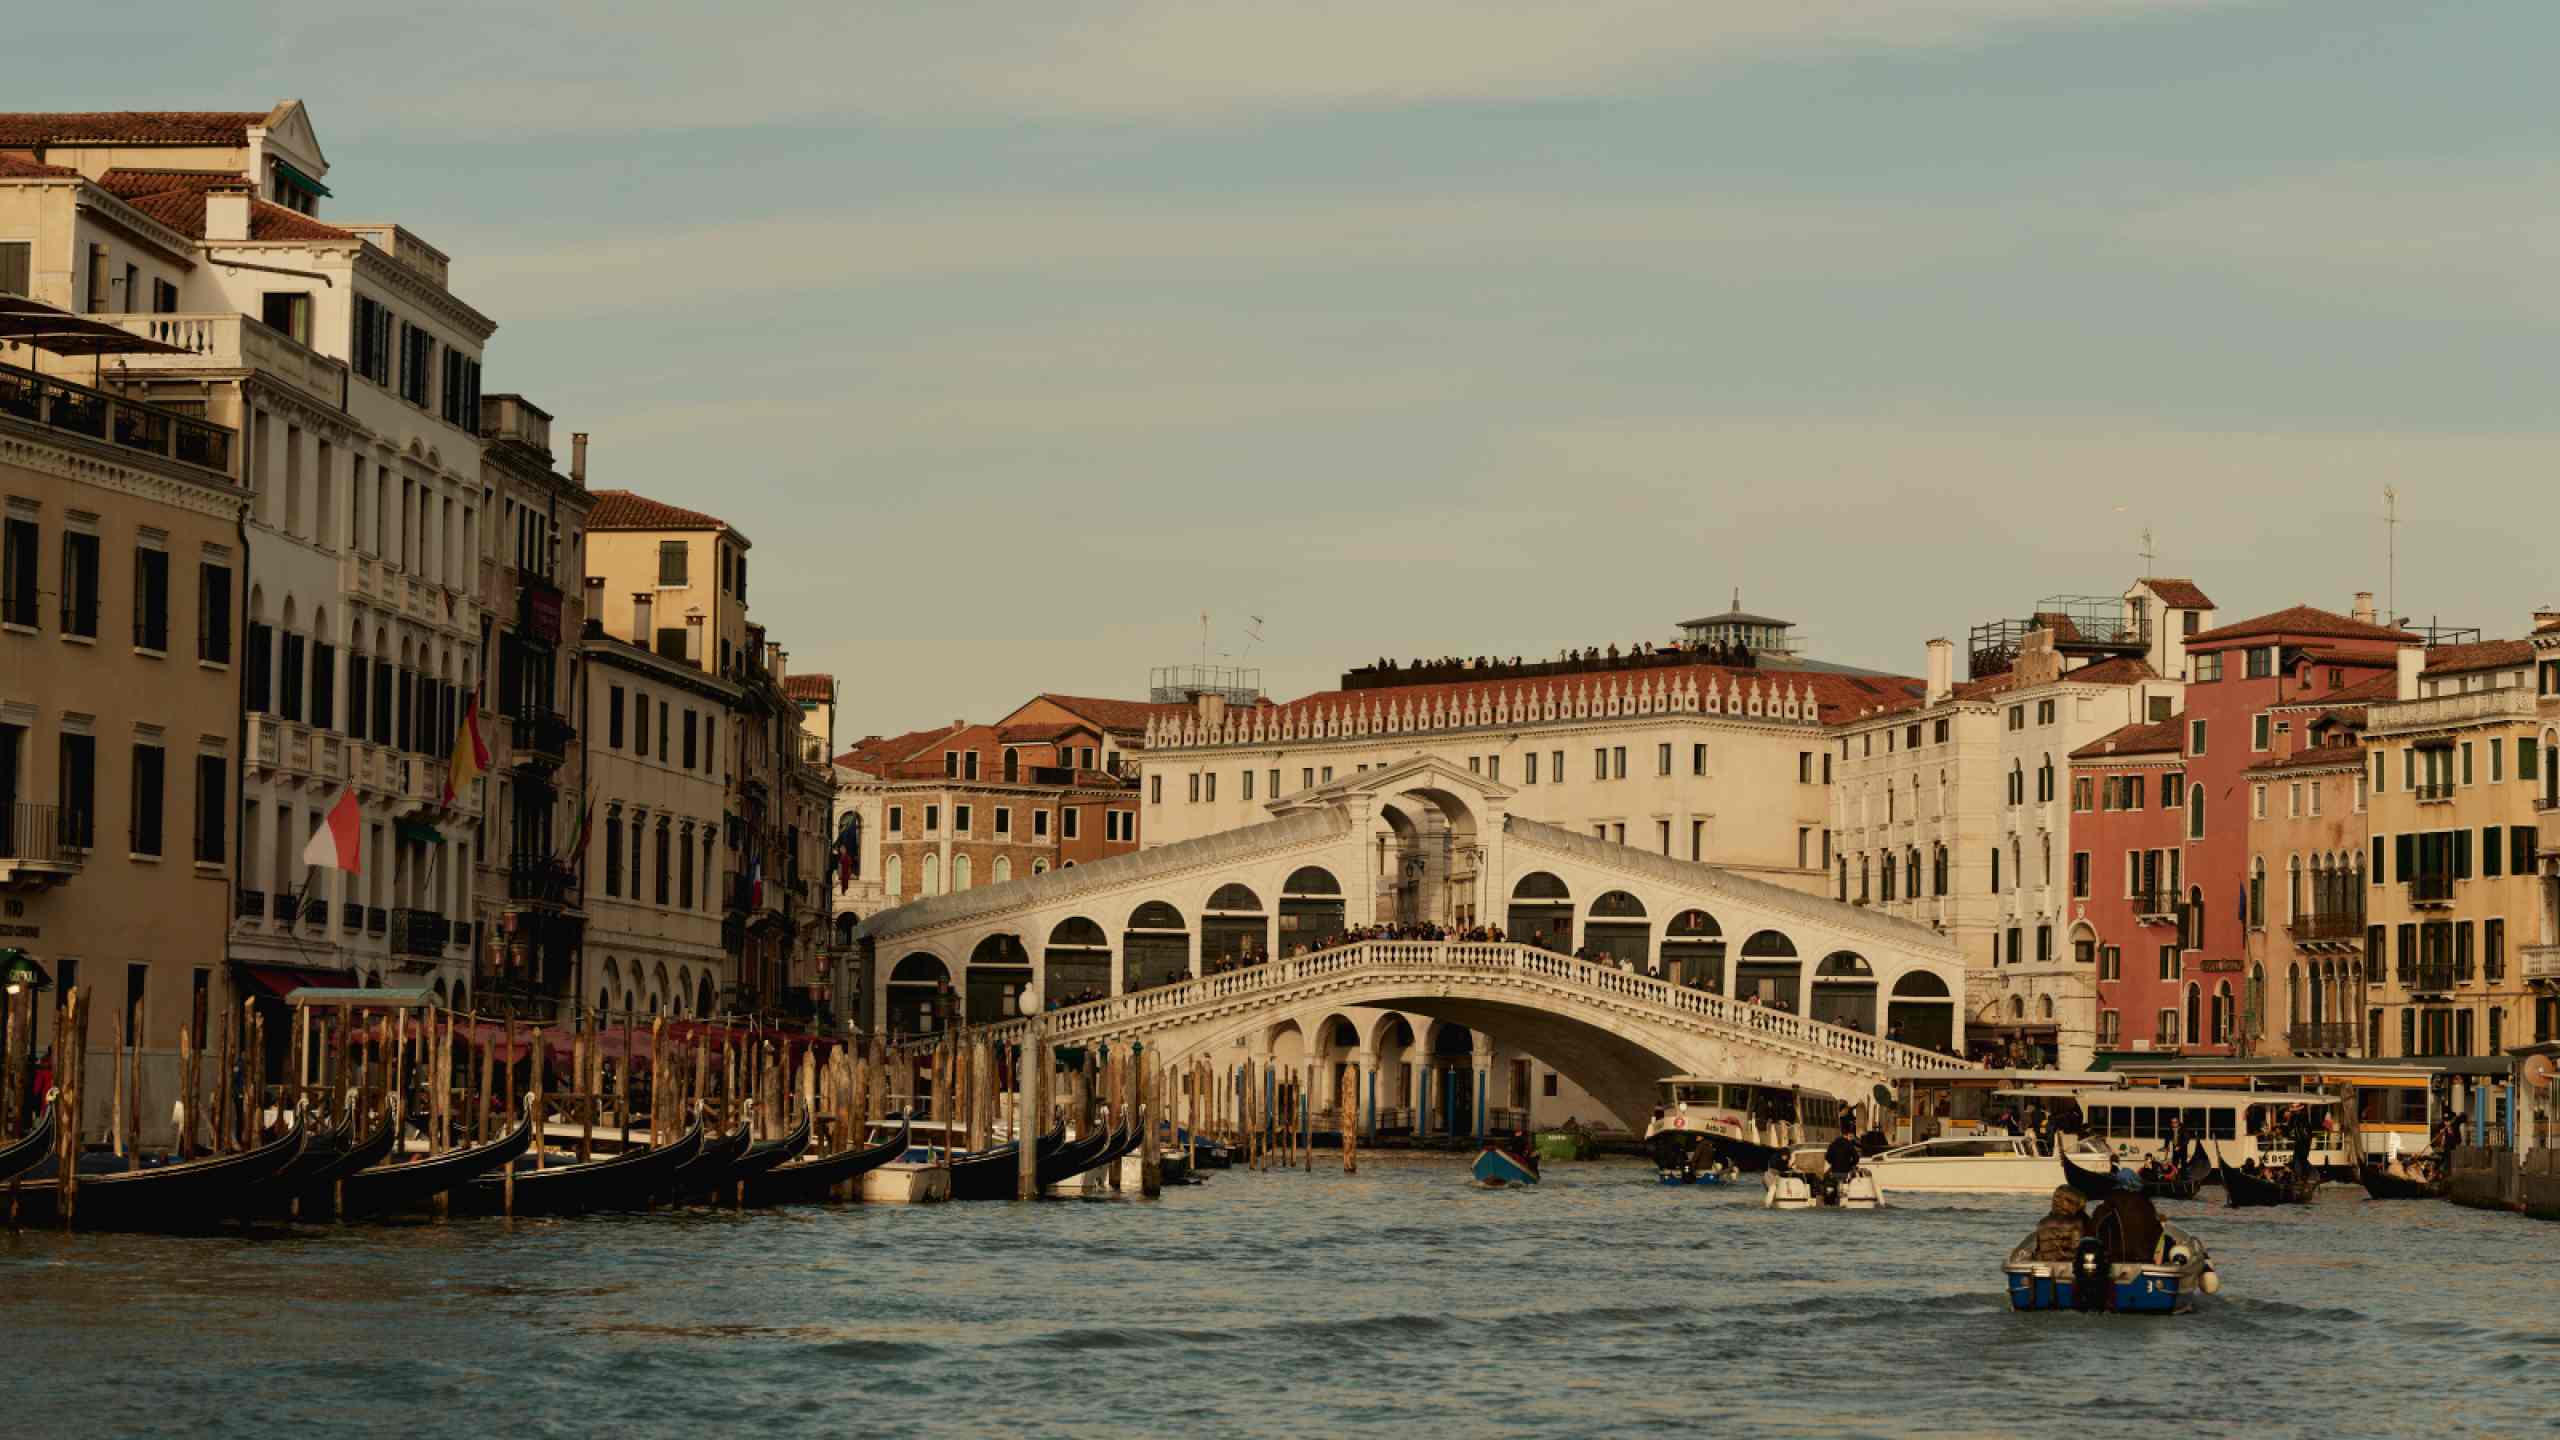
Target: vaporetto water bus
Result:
[[2237, 1125], [1746, 1124]]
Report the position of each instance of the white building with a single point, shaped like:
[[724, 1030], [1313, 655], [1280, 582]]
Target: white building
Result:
[[352, 374], [1955, 811]]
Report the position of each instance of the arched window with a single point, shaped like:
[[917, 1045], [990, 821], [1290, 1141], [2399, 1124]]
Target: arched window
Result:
[[2293, 995], [1887, 891], [2258, 892], [2044, 779], [2195, 1011], [1003, 869], [893, 876], [1040, 865], [931, 874], [1012, 765], [2017, 783], [1938, 872], [2293, 889], [961, 869], [2195, 812], [1911, 869]]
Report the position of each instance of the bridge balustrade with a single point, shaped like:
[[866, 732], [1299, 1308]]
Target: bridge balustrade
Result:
[[1440, 957]]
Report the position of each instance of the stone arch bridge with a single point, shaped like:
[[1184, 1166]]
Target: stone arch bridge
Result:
[[1256, 945]]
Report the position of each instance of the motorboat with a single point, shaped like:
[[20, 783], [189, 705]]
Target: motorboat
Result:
[[1802, 1182], [2166, 1282], [1979, 1164], [1746, 1126], [1496, 1168]]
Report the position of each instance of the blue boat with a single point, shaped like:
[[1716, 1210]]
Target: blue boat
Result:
[[1500, 1167], [1701, 1177], [2168, 1286]]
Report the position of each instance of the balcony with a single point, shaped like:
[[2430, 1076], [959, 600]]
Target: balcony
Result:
[[2156, 907], [37, 849], [2332, 928], [221, 342], [2438, 712], [2547, 822], [538, 604], [2431, 977], [2328, 1037], [377, 921], [284, 906], [315, 912], [70, 409], [2539, 962], [419, 932], [2431, 888], [282, 747], [541, 736], [541, 880], [2435, 792], [351, 917], [250, 905]]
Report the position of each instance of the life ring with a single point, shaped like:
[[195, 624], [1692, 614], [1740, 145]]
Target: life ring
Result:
[[1679, 1122]]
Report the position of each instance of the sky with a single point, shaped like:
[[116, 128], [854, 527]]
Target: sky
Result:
[[1016, 336]]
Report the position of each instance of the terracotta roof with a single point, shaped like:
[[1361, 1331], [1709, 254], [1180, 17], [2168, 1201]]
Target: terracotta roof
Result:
[[875, 751], [1120, 717], [624, 510], [180, 206], [2150, 737], [132, 181], [1038, 734], [2302, 620], [1837, 697], [2180, 594], [132, 127], [2477, 656], [821, 688], [2115, 670], [17, 167], [2347, 756]]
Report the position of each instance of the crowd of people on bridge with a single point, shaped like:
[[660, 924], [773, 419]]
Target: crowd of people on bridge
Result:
[[1735, 655]]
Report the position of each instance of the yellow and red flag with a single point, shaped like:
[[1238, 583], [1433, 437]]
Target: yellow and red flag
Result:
[[470, 753]]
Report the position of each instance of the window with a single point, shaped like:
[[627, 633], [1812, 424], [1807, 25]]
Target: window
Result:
[[1195, 788], [150, 598], [2208, 668], [1272, 777], [1155, 789], [213, 801], [2017, 717], [1039, 824], [897, 819], [1247, 779], [1004, 823], [2044, 712], [1662, 759], [149, 769], [1662, 833], [662, 729], [213, 613], [80, 583], [18, 572], [613, 717], [16, 266], [2080, 875], [961, 818], [1697, 760], [672, 562], [1306, 781], [933, 819], [665, 841], [1492, 770], [969, 765], [78, 779], [1804, 767], [2081, 790], [417, 360], [2195, 814], [2195, 737], [1530, 777], [1600, 763], [1067, 818], [2258, 732], [1618, 759], [1209, 787], [2258, 661], [2258, 802], [613, 855], [288, 311]]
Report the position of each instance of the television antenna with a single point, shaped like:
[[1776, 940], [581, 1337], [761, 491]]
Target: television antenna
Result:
[[2391, 548]]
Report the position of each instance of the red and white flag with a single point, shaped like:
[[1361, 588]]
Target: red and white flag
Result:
[[337, 843]]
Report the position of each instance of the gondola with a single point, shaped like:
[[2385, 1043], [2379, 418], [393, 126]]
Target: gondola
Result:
[[403, 1184], [1745, 1156], [1076, 1157], [185, 1196], [2092, 1183], [770, 1154], [2381, 1184], [806, 1182], [24, 1154], [2183, 1187], [627, 1181], [309, 1192], [2245, 1189], [995, 1173], [711, 1167]]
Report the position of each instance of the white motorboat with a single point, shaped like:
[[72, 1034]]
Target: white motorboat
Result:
[[1978, 1164]]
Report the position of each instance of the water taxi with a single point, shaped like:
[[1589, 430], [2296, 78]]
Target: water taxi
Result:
[[1804, 1182], [1746, 1125], [1984, 1163]]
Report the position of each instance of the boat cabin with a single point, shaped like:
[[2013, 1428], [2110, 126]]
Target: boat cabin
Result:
[[1773, 1115], [1931, 1103], [2239, 1125]]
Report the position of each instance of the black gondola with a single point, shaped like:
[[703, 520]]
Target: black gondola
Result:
[[807, 1182], [2267, 1187], [2092, 1183], [309, 1191], [1076, 1157], [2181, 1187], [628, 1181], [772, 1154], [709, 1171], [29, 1151], [188, 1195], [994, 1174], [402, 1185], [2381, 1184]]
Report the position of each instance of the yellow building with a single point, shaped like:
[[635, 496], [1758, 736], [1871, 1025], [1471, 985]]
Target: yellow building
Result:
[[120, 573], [2454, 766]]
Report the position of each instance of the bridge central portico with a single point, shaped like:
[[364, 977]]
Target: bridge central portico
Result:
[[1261, 941]]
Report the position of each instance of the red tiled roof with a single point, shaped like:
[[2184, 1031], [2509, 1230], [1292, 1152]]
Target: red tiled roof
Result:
[[1038, 734], [2347, 756], [2477, 656], [821, 688], [1836, 697], [2180, 594], [2115, 670], [2301, 620], [2150, 737], [180, 206], [875, 751], [624, 510], [1120, 717], [131, 182], [131, 127], [18, 167]]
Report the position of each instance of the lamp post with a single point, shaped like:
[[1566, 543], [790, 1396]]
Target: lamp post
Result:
[[19, 973]]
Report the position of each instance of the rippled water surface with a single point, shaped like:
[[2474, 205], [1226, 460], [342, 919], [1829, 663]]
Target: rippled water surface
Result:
[[1281, 1304]]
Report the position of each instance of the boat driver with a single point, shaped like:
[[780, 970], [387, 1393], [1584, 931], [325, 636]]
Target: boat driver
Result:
[[1841, 1157]]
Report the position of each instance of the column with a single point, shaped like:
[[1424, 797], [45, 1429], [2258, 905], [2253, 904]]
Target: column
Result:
[[1365, 1078], [1484, 1074]]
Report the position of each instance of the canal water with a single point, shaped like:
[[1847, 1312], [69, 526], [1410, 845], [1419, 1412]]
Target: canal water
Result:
[[1280, 1304]]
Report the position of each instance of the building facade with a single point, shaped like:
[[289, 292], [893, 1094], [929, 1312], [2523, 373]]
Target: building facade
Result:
[[2542, 955], [2128, 796], [2455, 770], [120, 587], [2307, 892]]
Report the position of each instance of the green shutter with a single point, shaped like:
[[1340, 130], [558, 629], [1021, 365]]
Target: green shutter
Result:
[[2527, 755]]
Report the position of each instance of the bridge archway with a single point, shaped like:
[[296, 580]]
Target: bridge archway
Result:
[[915, 988], [1844, 991], [999, 979], [1541, 912], [1771, 970], [1311, 908], [1432, 853], [1076, 963], [1693, 951], [1235, 929], [1922, 1012], [1155, 949], [1617, 928]]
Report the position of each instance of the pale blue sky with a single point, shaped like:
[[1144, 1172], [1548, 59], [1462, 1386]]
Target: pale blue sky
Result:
[[1016, 335]]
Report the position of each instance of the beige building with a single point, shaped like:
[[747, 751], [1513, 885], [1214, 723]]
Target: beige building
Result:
[[2307, 891], [120, 580], [2542, 954], [2455, 768], [1954, 809], [675, 575]]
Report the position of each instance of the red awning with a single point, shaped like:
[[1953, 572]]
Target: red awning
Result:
[[283, 980]]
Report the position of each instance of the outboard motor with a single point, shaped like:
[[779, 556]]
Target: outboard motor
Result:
[[1830, 1191], [2093, 1276]]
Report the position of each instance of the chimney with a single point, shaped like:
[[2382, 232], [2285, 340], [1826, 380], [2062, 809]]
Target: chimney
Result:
[[1213, 708], [226, 211], [643, 604], [578, 458], [1942, 669], [2364, 607], [2413, 658]]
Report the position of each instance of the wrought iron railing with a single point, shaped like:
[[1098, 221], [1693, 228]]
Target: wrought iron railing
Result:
[[2326, 1037], [2334, 925], [129, 424], [2433, 887]]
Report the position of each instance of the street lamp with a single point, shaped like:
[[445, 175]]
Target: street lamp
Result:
[[19, 972]]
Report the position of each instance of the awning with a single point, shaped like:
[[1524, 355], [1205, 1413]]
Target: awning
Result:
[[31, 322], [302, 180], [283, 980]]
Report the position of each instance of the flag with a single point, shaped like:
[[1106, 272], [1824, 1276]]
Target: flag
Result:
[[337, 842], [848, 850], [755, 883], [586, 827], [470, 753]]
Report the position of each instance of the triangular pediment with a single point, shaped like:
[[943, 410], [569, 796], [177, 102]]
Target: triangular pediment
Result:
[[1421, 772], [289, 127]]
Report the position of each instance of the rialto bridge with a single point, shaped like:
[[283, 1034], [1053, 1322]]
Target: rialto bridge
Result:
[[1241, 946]]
